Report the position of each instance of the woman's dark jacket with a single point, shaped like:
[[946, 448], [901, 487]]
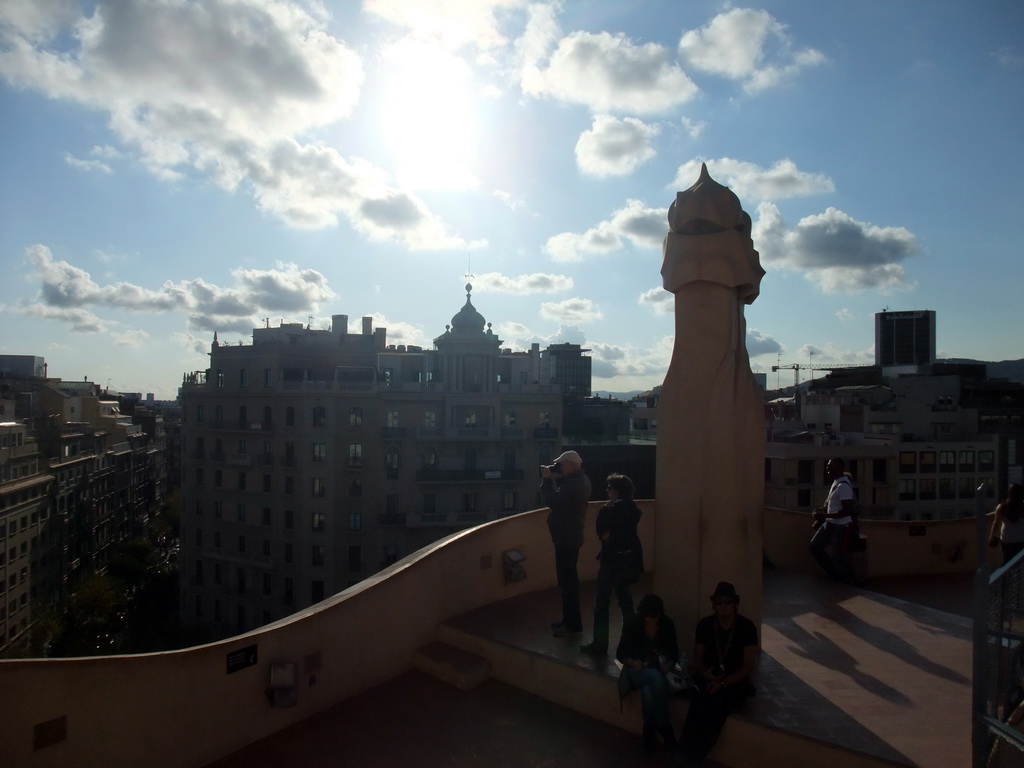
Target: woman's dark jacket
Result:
[[619, 520], [635, 644]]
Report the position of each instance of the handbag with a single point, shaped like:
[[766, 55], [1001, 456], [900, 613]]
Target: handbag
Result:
[[627, 566]]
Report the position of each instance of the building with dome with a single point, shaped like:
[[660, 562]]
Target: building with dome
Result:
[[315, 458]]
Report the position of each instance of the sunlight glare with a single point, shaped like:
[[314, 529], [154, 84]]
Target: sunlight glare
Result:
[[428, 117]]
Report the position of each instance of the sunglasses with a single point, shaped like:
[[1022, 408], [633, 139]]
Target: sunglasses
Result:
[[723, 602]]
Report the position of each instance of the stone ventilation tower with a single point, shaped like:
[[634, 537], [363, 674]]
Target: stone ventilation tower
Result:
[[710, 460]]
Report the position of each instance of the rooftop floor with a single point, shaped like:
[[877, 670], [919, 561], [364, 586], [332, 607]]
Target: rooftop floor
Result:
[[854, 667]]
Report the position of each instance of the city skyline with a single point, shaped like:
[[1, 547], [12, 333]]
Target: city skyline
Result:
[[175, 169]]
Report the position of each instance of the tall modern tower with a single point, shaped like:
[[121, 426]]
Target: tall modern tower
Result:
[[905, 338]]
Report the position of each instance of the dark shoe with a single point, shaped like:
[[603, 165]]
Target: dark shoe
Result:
[[650, 739], [563, 631], [594, 649], [669, 736], [557, 624]]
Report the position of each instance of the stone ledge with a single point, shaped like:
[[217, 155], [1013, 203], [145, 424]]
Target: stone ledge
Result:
[[453, 665]]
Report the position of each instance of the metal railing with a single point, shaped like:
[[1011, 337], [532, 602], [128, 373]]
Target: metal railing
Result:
[[998, 697]]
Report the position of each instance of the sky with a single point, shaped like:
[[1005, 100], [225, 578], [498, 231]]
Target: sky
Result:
[[171, 169]]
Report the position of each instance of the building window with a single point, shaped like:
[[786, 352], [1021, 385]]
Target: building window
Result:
[[241, 481], [243, 417], [289, 416], [317, 555], [391, 504], [908, 490], [390, 554], [240, 513], [947, 461], [289, 485], [319, 521], [469, 503], [241, 543], [469, 419], [965, 488], [355, 487], [429, 503], [220, 379], [430, 458], [218, 478], [430, 419], [267, 517], [289, 589], [879, 470], [392, 463], [316, 590], [288, 552], [508, 500], [986, 461], [803, 497], [510, 418], [319, 416], [266, 483], [216, 539], [908, 462], [355, 455], [199, 537], [946, 488], [243, 378], [268, 377], [218, 509], [966, 461], [200, 411], [927, 462], [355, 558], [392, 418], [926, 489], [289, 519], [199, 475], [267, 584], [266, 547], [319, 488], [355, 521], [805, 472], [355, 417], [319, 451]]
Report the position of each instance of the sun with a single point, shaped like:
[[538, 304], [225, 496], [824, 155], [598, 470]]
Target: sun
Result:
[[428, 117]]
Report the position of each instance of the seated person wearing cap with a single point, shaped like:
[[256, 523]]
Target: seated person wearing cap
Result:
[[724, 658], [566, 492]]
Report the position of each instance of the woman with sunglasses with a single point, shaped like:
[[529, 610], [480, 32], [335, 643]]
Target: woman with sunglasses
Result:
[[724, 658]]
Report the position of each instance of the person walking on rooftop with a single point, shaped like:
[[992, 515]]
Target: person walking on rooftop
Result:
[[835, 521], [566, 491], [1008, 523], [621, 559]]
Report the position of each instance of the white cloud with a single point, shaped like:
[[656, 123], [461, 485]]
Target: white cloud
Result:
[[522, 285], [694, 128], [661, 301], [645, 227], [68, 294], [753, 183], [571, 311], [735, 44], [86, 165], [614, 147], [228, 95], [836, 251], [604, 72], [760, 343], [1008, 56], [132, 339], [453, 23]]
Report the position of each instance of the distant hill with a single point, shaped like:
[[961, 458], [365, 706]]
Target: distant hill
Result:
[[1004, 369], [618, 395]]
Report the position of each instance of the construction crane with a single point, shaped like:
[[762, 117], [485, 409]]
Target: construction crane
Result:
[[797, 367]]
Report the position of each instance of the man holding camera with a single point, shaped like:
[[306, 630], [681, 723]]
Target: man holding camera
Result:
[[566, 492]]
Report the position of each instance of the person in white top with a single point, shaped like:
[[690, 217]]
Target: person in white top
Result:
[[1008, 523], [835, 520]]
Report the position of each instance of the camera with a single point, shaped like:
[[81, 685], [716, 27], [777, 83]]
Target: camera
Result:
[[556, 468]]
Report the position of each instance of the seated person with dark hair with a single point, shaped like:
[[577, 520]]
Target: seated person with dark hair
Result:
[[648, 649], [724, 658]]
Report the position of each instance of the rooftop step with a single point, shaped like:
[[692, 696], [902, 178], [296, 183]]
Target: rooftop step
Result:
[[454, 666]]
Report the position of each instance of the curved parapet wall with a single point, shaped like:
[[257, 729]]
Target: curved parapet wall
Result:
[[894, 548], [193, 706]]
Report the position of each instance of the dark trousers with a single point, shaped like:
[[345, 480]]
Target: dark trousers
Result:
[[836, 538], [706, 716], [569, 585], [602, 597]]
